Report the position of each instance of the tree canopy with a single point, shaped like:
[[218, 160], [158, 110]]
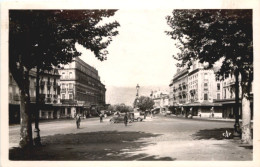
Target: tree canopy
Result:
[[144, 103], [120, 107], [47, 38], [218, 35], [214, 35]]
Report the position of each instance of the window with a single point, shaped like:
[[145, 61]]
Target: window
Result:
[[70, 75], [218, 86], [63, 96], [69, 111], [205, 75], [70, 96], [225, 93], [71, 86], [218, 96], [63, 86], [205, 96], [205, 84]]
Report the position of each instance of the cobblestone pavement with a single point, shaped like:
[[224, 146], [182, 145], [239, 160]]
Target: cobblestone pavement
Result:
[[157, 138]]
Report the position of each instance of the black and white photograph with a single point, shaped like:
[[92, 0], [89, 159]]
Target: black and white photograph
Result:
[[112, 84]]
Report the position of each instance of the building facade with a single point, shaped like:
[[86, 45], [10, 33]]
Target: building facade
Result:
[[206, 95], [203, 89], [48, 95], [81, 89], [161, 100], [178, 88]]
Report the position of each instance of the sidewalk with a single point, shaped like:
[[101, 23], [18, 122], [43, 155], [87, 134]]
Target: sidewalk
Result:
[[207, 118]]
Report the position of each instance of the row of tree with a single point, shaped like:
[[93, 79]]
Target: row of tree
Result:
[[144, 103], [218, 35], [43, 39], [122, 108]]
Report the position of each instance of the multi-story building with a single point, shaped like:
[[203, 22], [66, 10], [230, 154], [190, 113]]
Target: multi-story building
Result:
[[81, 89], [195, 89], [161, 100], [203, 88], [178, 88], [48, 95], [206, 93]]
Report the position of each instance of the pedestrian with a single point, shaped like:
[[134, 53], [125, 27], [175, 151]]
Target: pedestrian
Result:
[[212, 112], [191, 113], [125, 119], [101, 117], [78, 120]]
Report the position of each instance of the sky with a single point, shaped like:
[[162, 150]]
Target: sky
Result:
[[140, 54]]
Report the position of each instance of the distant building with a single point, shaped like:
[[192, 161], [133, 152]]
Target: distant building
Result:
[[161, 100], [81, 89]]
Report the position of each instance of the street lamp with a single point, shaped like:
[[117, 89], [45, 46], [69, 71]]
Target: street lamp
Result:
[[137, 90]]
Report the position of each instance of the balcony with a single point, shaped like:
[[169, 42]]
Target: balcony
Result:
[[42, 83], [33, 99], [70, 90], [49, 86], [42, 98], [182, 101], [63, 90], [48, 100], [68, 101]]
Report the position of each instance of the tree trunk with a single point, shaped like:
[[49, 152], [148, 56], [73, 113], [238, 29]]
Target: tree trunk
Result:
[[25, 115], [236, 107], [246, 120], [37, 138]]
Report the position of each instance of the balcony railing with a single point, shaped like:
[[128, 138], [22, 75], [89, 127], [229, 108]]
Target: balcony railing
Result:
[[33, 99], [42, 98], [183, 101], [63, 90], [48, 100]]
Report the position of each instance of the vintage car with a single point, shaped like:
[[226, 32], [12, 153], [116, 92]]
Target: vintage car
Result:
[[119, 118], [132, 116]]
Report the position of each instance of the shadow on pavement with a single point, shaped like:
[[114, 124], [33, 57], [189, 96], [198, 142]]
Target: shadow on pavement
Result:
[[216, 134], [103, 145]]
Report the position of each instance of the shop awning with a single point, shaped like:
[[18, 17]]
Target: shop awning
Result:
[[204, 103]]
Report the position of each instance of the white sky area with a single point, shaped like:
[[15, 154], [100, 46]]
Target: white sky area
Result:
[[141, 52]]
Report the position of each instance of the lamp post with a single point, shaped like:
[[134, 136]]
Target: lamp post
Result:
[[137, 96], [137, 90]]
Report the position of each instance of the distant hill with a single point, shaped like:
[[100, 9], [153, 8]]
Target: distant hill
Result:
[[116, 94]]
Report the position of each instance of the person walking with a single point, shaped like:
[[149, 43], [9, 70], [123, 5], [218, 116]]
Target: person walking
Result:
[[212, 112], [125, 119], [78, 121], [101, 117]]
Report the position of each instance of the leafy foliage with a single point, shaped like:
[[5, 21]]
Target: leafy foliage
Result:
[[47, 38], [144, 103], [214, 35], [120, 107]]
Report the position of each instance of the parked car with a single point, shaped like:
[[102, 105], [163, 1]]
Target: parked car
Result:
[[119, 119], [136, 116], [132, 116], [168, 112]]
